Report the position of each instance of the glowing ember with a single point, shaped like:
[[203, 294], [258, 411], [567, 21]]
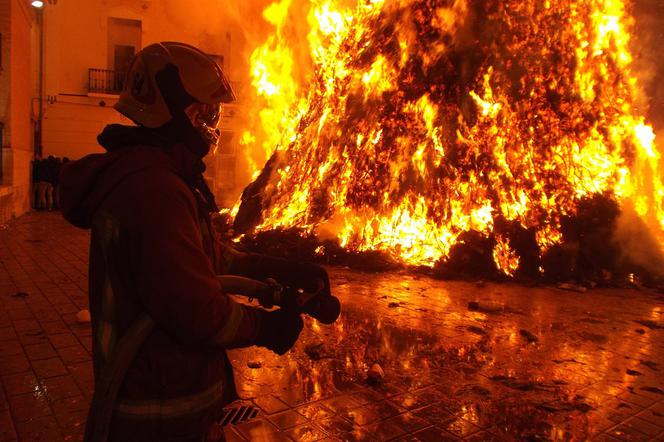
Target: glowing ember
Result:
[[424, 119]]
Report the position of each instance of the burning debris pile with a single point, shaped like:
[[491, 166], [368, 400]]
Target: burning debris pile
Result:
[[477, 138]]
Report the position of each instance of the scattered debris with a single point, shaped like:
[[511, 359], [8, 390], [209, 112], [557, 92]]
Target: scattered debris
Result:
[[517, 384], [20, 295], [592, 337], [633, 372], [83, 316], [653, 390], [315, 351], [477, 330], [376, 374], [560, 406], [650, 324], [562, 361], [528, 336], [594, 320], [254, 364], [479, 391], [650, 364], [466, 368], [485, 307], [572, 287]]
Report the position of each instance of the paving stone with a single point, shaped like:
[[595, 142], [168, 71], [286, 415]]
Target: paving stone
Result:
[[315, 411], [74, 354], [257, 429], [44, 429], [4, 404], [47, 368], [26, 407], [43, 350], [626, 433], [20, 383], [336, 425], [63, 340], [7, 429], [287, 419], [270, 404], [55, 327], [14, 364], [434, 414], [60, 387], [366, 396], [232, 435], [7, 333], [306, 433], [10, 348], [434, 434], [340, 404], [408, 422], [643, 426]]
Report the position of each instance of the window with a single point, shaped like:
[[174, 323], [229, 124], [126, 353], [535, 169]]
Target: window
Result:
[[124, 40], [226, 143]]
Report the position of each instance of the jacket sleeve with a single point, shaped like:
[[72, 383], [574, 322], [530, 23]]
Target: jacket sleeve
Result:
[[175, 278]]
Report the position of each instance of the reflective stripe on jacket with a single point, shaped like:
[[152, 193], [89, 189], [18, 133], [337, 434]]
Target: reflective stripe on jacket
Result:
[[147, 256]]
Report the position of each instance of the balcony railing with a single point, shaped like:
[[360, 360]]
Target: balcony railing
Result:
[[105, 81]]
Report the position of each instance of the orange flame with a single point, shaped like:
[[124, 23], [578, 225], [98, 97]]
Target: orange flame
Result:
[[421, 120]]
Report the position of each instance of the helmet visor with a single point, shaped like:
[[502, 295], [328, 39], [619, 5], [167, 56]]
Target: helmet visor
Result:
[[205, 119]]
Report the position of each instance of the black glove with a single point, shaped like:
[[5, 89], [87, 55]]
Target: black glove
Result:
[[279, 330]]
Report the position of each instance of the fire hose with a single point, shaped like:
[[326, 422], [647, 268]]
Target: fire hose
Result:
[[321, 306]]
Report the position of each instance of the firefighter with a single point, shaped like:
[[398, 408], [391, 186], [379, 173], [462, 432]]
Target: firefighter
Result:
[[160, 320]]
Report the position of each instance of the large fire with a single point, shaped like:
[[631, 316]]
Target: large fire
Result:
[[423, 119]]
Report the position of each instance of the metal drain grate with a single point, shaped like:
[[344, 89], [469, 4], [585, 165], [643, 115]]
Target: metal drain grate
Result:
[[237, 415]]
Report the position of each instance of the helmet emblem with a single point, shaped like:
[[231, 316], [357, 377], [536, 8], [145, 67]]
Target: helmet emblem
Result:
[[141, 89]]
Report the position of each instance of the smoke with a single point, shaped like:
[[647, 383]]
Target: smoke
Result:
[[274, 33], [637, 236], [639, 248]]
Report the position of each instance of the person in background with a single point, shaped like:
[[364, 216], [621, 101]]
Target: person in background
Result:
[[36, 175], [42, 177]]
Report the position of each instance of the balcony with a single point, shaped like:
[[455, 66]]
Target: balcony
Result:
[[105, 81]]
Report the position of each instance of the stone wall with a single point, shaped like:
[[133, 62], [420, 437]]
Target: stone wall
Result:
[[17, 82]]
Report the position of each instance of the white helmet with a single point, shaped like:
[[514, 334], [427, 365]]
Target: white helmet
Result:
[[164, 79]]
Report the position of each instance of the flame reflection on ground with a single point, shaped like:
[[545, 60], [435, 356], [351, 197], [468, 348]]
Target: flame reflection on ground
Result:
[[523, 362]]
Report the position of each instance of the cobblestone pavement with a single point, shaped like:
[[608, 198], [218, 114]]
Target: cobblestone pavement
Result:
[[517, 363]]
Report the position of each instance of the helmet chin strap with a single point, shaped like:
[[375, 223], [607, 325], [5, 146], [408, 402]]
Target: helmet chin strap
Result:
[[180, 130]]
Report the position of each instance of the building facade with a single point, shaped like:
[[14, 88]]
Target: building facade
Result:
[[17, 87], [87, 48], [62, 68]]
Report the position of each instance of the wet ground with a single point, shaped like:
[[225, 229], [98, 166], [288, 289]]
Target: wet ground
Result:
[[460, 360], [472, 361]]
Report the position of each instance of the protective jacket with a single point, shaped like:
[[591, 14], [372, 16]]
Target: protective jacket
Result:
[[150, 256]]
